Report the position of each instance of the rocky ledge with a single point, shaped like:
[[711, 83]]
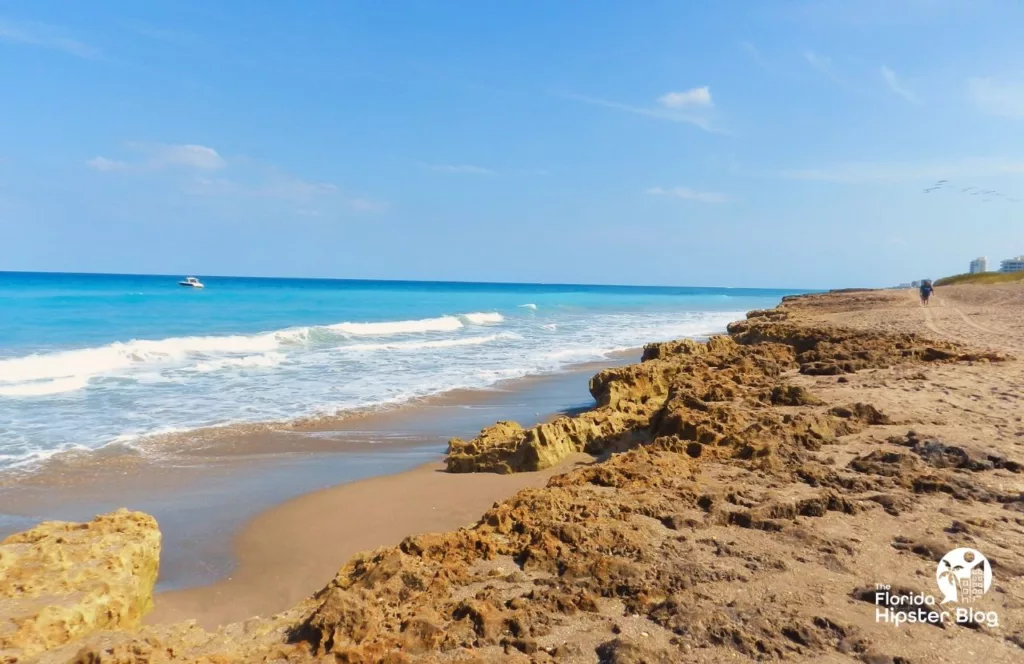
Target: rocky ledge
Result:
[[742, 507], [60, 581], [719, 394]]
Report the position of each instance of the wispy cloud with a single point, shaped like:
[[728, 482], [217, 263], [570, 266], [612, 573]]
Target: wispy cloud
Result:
[[187, 156], [669, 114], [462, 169], [44, 35], [689, 194], [694, 97], [158, 33], [469, 169], [201, 171], [159, 156], [896, 86], [823, 65], [888, 172], [365, 205], [997, 98], [255, 181], [754, 53], [105, 165]]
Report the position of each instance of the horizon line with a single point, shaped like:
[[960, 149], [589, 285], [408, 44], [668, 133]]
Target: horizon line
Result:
[[399, 281]]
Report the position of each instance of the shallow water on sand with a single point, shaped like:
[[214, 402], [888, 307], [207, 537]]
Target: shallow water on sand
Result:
[[201, 504]]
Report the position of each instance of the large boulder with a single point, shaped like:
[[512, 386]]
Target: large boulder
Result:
[[60, 581]]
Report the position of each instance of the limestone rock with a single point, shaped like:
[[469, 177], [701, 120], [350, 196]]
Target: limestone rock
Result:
[[60, 581]]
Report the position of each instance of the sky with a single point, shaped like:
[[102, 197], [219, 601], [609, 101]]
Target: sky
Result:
[[775, 143]]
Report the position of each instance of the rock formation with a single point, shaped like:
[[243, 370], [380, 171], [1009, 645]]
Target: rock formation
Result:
[[60, 581], [734, 514], [702, 393]]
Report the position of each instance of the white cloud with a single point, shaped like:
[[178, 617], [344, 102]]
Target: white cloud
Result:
[[201, 171], [883, 172], [820, 62], [690, 98], [105, 165], [187, 156], [995, 98], [465, 169], [44, 35], [255, 181], [364, 205], [265, 183], [670, 114], [689, 194], [158, 156], [896, 86]]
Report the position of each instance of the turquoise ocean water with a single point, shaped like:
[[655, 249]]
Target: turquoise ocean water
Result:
[[91, 360]]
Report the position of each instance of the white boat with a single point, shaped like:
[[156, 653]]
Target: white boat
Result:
[[191, 282]]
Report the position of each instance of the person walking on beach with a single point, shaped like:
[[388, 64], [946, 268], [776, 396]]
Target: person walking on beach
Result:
[[926, 291]]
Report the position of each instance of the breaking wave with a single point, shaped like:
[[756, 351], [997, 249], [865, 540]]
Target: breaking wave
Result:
[[64, 371], [481, 318]]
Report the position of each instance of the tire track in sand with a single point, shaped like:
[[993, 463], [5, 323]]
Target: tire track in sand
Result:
[[929, 322], [976, 326]]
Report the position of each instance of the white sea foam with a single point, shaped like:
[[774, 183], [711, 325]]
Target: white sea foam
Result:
[[483, 318], [530, 305], [442, 324], [85, 363], [38, 388], [88, 362], [264, 360], [421, 345]]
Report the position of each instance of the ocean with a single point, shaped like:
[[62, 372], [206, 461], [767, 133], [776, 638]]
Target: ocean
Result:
[[91, 360]]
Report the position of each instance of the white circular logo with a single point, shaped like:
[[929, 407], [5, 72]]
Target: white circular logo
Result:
[[963, 575]]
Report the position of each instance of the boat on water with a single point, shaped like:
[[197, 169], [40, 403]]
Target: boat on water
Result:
[[191, 282]]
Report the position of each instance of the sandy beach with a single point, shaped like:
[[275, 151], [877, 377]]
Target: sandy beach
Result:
[[290, 551], [783, 493], [248, 470]]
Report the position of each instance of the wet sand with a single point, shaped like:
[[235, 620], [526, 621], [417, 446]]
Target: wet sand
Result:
[[294, 549], [203, 489]]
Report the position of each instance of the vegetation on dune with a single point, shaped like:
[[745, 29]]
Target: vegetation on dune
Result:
[[981, 278]]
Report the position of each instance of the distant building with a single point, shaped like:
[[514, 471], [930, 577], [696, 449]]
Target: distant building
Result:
[[915, 284], [979, 264], [1013, 265]]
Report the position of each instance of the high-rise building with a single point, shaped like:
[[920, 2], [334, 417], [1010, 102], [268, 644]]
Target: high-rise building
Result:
[[979, 264], [1013, 265]]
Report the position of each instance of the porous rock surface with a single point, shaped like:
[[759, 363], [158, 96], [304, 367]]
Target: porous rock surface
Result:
[[60, 581], [741, 509]]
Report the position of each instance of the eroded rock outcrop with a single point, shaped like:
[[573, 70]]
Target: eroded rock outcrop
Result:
[[738, 523], [722, 390], [60, 581]]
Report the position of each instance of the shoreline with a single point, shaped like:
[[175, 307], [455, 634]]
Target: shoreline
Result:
[[741, 499], [249, 438], [250, 473], [289, 551]]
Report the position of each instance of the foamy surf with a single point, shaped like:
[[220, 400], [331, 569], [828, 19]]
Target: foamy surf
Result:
[[441, 324], [44, 387], [482, 318], [424, 345], [64, 371], [66, 392]]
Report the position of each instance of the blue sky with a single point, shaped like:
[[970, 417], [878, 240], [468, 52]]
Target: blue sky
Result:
[[760, 143]]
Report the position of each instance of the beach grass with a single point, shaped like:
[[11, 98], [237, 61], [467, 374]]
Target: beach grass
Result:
[[981, 278]]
